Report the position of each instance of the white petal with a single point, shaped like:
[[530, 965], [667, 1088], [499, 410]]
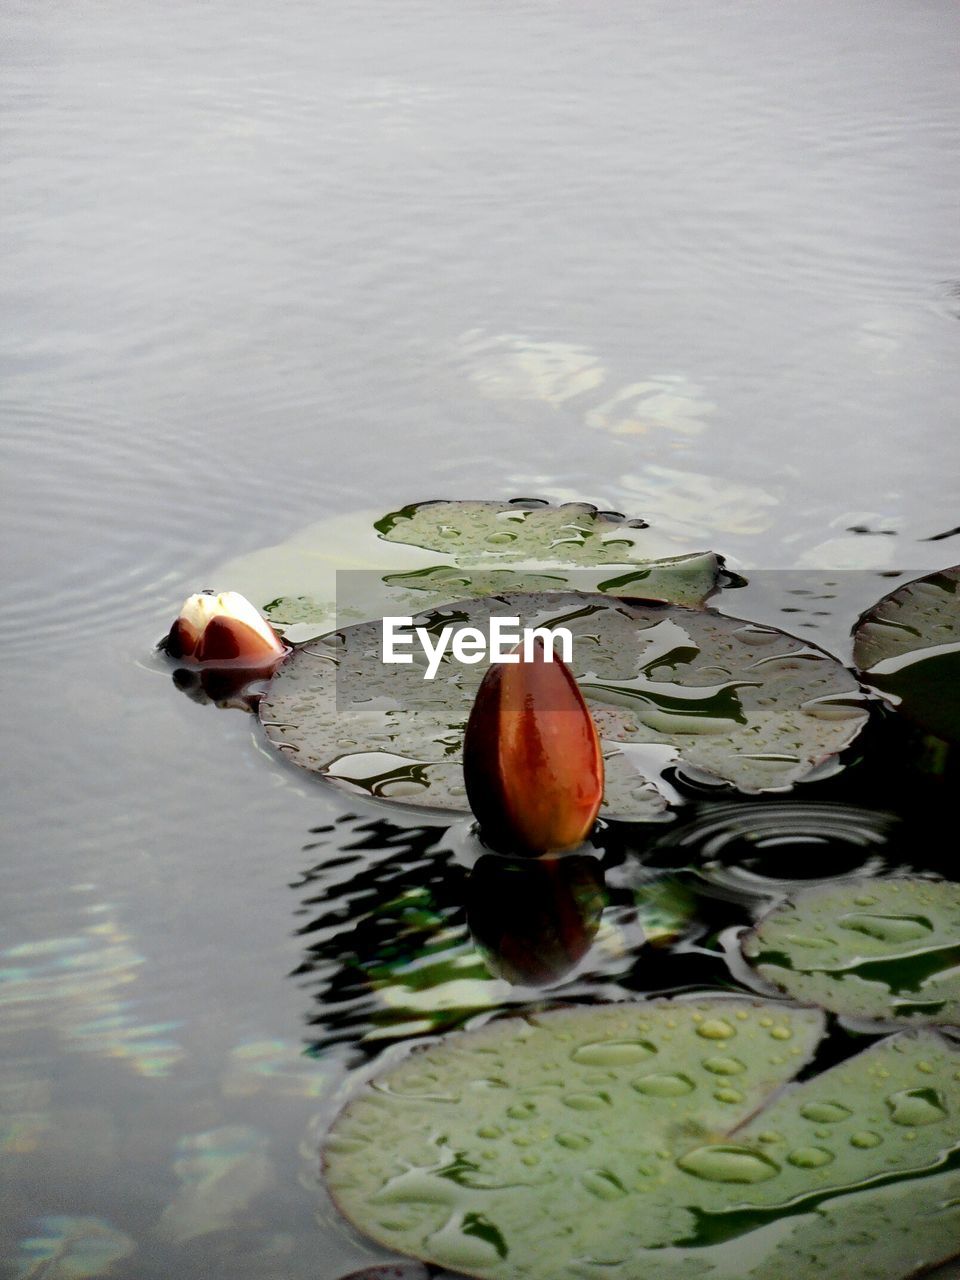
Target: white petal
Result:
[[233, 605], [200, 609]]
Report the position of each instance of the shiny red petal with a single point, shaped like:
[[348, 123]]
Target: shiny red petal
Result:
[[531, 756], [182, 640], [227, 640]]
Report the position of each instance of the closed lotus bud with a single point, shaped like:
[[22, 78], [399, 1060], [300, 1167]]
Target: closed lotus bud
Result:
[[531, 757], [223, 628]]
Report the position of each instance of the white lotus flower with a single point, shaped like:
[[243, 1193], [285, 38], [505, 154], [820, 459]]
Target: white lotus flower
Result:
[[224, 627]]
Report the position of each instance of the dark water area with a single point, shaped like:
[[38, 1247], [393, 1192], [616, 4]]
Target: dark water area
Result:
[[267, 266]]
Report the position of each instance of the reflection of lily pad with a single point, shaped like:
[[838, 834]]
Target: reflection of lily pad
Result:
[[908, 648], [68, 1248], [273, 1066], [745, 704], [80, 984], [391, 1271], [222, 1172], [868, 948], [436, 551], [653, 1141]]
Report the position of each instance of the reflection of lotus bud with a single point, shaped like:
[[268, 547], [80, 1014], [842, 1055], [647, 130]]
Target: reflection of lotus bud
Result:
[[534, 920], [531, 757], [230, 688], [223, 628]]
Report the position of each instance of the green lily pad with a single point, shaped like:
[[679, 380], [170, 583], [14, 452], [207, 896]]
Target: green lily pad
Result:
[[749, 705], [525, 531], [907, 647], [432, 552], [868, 948], [656, 1141]]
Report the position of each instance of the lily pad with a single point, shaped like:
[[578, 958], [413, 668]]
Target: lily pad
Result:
[[907, 647], [525, 531], [655, 1141], [747, 705], [431, 552], [868, 948]]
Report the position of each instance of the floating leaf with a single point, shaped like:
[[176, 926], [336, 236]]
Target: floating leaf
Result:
[[68, 1248], [908, 648], [868, 948], [655, 1141], [431, 552], [522, 532], [748, 705]]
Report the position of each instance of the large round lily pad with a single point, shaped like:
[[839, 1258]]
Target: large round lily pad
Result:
[[749, 705], [430, 552], [656, 1142], [868, 948], [908, 648]]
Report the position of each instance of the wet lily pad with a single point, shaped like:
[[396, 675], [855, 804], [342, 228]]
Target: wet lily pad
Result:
[[908, 648], [431, 552], [747, 705], [524, 531], [655, 1141], [868, 948]]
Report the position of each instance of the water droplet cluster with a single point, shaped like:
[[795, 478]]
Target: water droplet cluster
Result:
[[615, 1131]]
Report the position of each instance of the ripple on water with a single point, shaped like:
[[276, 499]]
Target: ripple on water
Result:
[[756, 846], [113, 522]]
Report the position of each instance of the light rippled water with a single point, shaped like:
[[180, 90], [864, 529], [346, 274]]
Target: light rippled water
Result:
[[262, 265]]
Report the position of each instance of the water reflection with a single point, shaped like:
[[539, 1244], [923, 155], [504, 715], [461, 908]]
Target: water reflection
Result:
[[72, 1248], [81, 985], [405, 940], [534, 919], [416, 931], [228, 689], [221, 1171], [513, 367], [783, 841]]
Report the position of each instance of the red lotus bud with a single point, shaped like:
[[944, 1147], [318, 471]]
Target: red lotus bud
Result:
[[223, 628], [531, 757]]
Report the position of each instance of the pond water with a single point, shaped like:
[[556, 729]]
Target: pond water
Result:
[[271, 265]]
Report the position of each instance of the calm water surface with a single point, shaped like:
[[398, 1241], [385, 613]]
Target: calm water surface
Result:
[[272, 264]]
